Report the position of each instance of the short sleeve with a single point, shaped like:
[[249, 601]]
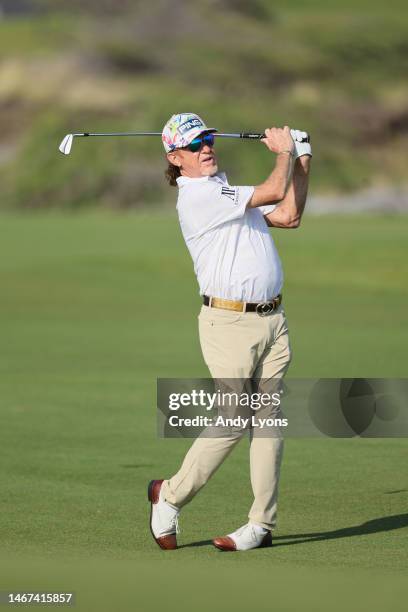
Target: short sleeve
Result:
[[204, 207], [268, 208]]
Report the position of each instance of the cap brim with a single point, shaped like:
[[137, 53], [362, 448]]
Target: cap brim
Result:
[[194, 134], [197, 133]]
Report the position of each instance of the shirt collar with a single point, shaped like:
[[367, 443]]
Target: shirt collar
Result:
[[220, 177]]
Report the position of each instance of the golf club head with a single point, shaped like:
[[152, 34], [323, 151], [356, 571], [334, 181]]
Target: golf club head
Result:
[[66, 144]]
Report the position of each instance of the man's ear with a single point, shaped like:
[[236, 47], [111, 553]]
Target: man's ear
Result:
[[174, 159]]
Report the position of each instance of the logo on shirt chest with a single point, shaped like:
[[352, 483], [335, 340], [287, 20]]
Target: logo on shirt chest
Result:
[[228, 193]]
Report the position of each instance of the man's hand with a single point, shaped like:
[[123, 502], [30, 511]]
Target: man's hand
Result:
[[278, 140], [302, 143]]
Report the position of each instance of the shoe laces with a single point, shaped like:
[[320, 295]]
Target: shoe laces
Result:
[[174, 523], [254, 534], [244, 528]]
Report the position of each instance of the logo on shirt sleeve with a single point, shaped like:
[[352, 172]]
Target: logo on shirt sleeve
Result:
[[230, 193]]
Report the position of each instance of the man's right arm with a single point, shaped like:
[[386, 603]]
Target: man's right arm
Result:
[[274, 189]]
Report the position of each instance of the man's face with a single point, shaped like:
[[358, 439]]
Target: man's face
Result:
[[195, 164]]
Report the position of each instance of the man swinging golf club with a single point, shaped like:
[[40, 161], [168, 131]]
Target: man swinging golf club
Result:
[[242, 326]]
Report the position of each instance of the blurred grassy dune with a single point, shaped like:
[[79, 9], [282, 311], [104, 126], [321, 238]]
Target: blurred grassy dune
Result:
[[337, 69]]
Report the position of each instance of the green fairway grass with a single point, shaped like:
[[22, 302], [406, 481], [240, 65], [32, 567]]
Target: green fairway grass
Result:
[[93, 310]]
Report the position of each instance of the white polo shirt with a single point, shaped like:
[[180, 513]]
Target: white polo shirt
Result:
[[233, 252]]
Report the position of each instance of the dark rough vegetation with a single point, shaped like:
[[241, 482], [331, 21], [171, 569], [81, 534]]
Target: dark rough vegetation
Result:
[[335, 69]]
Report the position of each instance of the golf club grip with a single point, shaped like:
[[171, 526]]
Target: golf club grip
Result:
[[252, 135], [255, 136]]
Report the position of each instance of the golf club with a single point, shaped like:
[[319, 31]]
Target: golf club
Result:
[[66, 144]]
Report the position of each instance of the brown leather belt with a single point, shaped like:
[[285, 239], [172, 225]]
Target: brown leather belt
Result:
[[262, 308]]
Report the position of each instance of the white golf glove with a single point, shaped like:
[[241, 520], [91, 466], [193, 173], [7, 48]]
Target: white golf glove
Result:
[[302, 144]]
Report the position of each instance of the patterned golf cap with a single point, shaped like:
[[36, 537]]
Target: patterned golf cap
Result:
[[181, 129]]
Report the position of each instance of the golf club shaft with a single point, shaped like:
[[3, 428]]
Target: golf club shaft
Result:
[[119, 134], [238, 135]]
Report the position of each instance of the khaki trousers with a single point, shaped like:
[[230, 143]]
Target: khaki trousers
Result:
[[238, 346]]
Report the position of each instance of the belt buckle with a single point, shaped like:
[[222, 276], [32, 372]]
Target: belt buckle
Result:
[[264, 308]]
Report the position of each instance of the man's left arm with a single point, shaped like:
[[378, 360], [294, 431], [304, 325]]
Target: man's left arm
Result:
[[288, 213]]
